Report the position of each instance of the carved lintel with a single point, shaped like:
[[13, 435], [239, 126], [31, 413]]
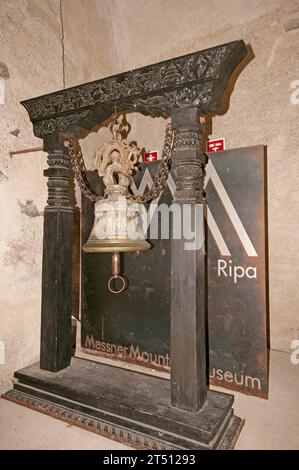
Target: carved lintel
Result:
[[196, 79]]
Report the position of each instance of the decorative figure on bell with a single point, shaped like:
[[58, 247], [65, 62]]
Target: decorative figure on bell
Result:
[[118, 222]]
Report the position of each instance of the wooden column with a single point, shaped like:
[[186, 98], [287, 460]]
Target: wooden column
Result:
[[188, 276], [55, 352]]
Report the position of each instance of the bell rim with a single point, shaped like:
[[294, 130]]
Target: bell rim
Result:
[[102, 246]]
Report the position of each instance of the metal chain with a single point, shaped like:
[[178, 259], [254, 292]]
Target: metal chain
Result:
[[161, 176], [79, 169], [160, 179]]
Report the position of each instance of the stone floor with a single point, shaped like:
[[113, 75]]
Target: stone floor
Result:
[[270, 424]]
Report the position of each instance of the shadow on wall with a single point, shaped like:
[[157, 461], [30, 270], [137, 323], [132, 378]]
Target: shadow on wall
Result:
[[228, 91]]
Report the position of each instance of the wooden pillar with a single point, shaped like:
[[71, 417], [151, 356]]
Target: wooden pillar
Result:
[[55, 352], [188, 275]]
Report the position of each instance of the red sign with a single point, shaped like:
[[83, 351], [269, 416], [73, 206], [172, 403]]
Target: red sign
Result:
[[150, 157], [215, 145]]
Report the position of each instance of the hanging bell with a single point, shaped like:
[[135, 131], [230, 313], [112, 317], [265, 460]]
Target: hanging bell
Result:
[[118, 223], [117, 227]]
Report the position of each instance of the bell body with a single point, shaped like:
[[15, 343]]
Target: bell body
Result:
[[117, 227]]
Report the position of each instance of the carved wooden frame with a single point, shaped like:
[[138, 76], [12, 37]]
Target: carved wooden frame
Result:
[[184, 88]]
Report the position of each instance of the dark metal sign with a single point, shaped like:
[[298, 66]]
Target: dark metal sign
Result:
[[134, 326], [237, 270]]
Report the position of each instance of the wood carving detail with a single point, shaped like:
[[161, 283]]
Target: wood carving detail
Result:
[[196, 79], [59, 177], [189, 172], [98, 426]]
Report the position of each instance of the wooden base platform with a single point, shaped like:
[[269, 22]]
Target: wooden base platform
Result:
[[127, 406]]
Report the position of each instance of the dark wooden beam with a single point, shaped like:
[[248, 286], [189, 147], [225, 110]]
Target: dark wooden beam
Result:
[[188, 277], [197, 79], [127, 406], [57, 260]]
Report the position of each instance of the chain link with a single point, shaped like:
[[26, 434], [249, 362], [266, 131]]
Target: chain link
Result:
[[160, 179], [79, 169], [161, 176]]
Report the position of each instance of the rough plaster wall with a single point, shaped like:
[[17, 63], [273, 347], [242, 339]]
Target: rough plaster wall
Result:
[[260, 112], [31, 65], [89, 40]]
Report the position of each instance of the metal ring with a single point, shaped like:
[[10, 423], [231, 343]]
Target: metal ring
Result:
[[124, 284]]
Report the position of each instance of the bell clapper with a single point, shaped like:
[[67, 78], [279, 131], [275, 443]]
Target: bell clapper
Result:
[[116, 275]]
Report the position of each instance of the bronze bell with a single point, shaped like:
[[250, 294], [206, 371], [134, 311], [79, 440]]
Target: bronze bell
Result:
[[118, 223], [117, 227]]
